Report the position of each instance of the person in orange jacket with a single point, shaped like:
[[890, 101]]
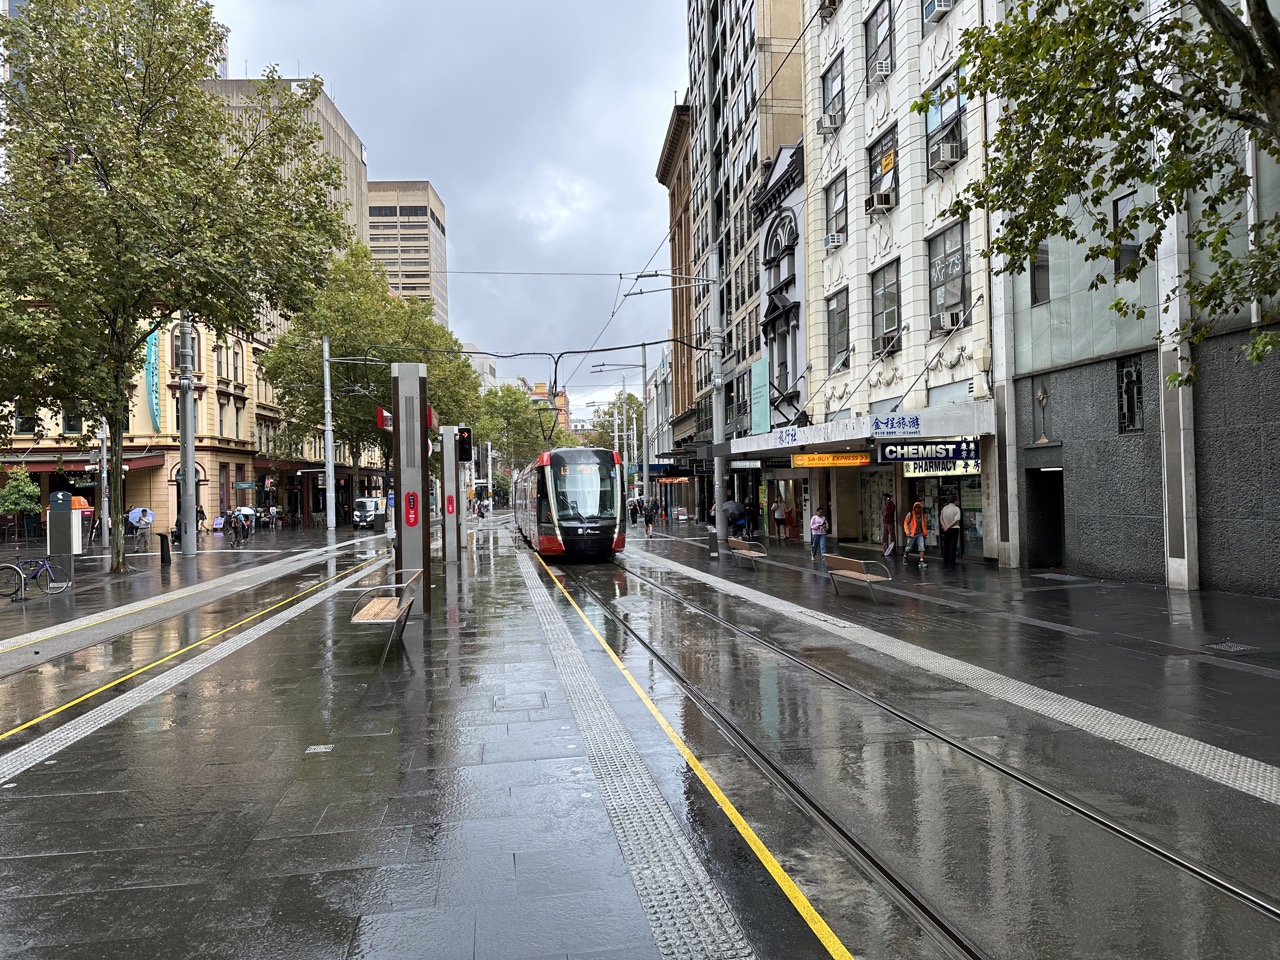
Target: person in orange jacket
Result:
[[916, 528]]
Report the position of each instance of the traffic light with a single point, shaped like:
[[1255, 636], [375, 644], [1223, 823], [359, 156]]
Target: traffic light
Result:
[[464, 444]]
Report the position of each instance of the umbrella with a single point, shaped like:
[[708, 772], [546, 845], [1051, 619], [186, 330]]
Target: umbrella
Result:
[[137, 515], [247, 511]]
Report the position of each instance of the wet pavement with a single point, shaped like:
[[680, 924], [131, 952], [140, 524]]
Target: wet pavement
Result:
[[231, 775]]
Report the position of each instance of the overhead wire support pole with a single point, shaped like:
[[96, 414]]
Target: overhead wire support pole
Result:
[[717, 397], [330, 492], [187, 439]]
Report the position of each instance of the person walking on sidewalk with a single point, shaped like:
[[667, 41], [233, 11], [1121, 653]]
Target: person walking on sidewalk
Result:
[[201, 519], [916, 528], [779, 511], [818, 534], [888, 513], [949, 521], [650, 514]]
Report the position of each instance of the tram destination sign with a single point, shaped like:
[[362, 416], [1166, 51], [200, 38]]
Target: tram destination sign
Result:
[[900, 451]]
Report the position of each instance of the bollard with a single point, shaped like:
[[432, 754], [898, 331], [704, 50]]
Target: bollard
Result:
[[165, 558], [713, 543]]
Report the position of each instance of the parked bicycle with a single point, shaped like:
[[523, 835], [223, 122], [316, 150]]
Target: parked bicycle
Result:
[[49, 577]]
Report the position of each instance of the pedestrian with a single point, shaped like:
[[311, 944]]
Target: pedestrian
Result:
[[753, 517], [949, 521], [818, 535], [916, 528], [201, 518], [650, 513], [779, 511], [635, 512], [888, 513]]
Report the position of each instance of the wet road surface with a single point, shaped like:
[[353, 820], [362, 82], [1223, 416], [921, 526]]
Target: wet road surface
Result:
[[267, 791]]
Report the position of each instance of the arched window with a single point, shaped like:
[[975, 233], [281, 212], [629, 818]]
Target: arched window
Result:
[[237, 363], [197, 356], [780, 249]]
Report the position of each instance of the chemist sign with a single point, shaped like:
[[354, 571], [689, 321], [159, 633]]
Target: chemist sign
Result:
[[901, 451]]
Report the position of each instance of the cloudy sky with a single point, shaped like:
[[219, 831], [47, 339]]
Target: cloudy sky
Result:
[[539, 124]]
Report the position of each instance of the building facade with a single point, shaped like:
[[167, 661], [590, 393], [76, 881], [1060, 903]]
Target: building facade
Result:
[[407, 236]]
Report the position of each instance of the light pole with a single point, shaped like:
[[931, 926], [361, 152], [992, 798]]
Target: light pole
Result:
[[330, 494], [187, 439]]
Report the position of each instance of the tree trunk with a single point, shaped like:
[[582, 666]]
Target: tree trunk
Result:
[[117, 424]]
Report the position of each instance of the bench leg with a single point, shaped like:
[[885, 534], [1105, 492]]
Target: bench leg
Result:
[[834, 586], [397, 633], [871, 590]]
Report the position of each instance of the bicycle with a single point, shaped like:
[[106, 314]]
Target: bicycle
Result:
[[49, 577]]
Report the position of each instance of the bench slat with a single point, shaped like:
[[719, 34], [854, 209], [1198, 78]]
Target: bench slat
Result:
[[382, 610]]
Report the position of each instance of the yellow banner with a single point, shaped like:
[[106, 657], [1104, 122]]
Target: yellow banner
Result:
[[861, 459]]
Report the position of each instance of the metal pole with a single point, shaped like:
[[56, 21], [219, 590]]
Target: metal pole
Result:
[[717, 396], [330, 490], [626, 451], [187, 439], [644, 423], [104, 512]]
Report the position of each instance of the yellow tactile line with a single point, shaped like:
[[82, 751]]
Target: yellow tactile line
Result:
[[811, 916], [155, 663]]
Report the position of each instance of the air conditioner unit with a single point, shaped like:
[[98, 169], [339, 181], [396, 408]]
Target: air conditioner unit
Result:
[[943, 322], [828, 123], [880, 70], [879, 203], [943, 156], [889, 343], [833, 240], [827, 8], [935, 10]]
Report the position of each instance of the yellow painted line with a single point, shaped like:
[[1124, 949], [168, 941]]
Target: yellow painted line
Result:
[[811, 916], [177, 653]]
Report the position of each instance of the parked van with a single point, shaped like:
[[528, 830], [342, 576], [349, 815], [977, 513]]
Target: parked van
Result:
[[366, 509]]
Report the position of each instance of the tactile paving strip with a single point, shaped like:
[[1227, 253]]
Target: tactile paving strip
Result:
[[42, 748], [1233, 770], [688, 915]]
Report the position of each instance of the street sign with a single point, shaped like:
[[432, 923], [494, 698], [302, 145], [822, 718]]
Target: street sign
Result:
[[384, 420], [244, 484]]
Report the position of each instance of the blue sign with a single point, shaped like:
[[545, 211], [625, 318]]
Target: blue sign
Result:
[[153, 378], [965, 448]]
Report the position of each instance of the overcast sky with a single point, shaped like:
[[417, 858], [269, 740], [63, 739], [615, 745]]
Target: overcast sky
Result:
[[540, 126]]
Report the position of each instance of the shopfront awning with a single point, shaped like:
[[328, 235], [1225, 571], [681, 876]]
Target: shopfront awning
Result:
[[79, 464]]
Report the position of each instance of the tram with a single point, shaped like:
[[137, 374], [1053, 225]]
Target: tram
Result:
[[568, 503]]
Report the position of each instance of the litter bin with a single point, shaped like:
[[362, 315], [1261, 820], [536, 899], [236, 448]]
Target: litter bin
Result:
[[713, 543], [165, 557], [379, 523]]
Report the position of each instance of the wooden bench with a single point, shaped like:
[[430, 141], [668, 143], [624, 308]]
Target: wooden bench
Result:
[[869, 572], [745, 550], [373, 606]]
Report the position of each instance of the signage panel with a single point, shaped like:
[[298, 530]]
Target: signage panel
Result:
[[961, 448], [895, 426], [744, 464], [411, 509], [760, 413], [858, 459], [941, 468], [449, 504]]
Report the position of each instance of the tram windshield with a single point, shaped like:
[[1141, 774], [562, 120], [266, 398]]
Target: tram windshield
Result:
[[585, 485]]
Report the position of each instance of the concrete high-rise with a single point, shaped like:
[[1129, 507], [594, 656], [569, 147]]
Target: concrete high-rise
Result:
[[407, 236]]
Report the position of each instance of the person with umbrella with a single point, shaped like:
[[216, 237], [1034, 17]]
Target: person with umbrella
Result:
[[141, 518]]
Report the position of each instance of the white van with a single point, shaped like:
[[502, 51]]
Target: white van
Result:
[[366, 509]]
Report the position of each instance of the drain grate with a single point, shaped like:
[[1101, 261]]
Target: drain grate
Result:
[[1226, 646]]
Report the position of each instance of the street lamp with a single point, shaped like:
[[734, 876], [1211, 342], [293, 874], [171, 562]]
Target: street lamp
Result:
[[643, 366]]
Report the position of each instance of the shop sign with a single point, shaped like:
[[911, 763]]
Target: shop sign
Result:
[[895, 426], [860, 459], [786, 436], [760, 396], [244, 484], [744, 464], [941, 468], [960, 448]]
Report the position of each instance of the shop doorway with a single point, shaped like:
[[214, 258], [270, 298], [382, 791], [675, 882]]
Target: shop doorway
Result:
[[1046, 519], [874, 484]]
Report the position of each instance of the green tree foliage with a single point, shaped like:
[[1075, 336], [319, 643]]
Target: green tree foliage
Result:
[[131, 189], [20, 493], [601, 432], [518, 430], [363, 319], [1099, 97]]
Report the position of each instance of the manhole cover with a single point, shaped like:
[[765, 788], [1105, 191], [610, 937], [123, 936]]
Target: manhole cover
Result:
[[1226, 646]]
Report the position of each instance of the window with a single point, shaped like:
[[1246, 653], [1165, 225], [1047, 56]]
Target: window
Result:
[[944, 120], [382, 211], [879, 38], [949, 271], [220, 359], [833, 88], [72, 425], [413, 211], [197, 362], [222, 419], [239, 416], [838, 331], [884, 301], [237, 364], [1040, 275], [1126, 252], [837, 206], [1129, 394], [883, 158], [384, 226]]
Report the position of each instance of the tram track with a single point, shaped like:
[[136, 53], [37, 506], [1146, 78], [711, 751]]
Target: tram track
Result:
[[940, 928]]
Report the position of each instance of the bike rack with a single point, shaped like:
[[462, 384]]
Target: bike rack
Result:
[[22, 583]]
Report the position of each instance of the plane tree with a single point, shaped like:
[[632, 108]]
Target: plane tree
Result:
[[131, 189]]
